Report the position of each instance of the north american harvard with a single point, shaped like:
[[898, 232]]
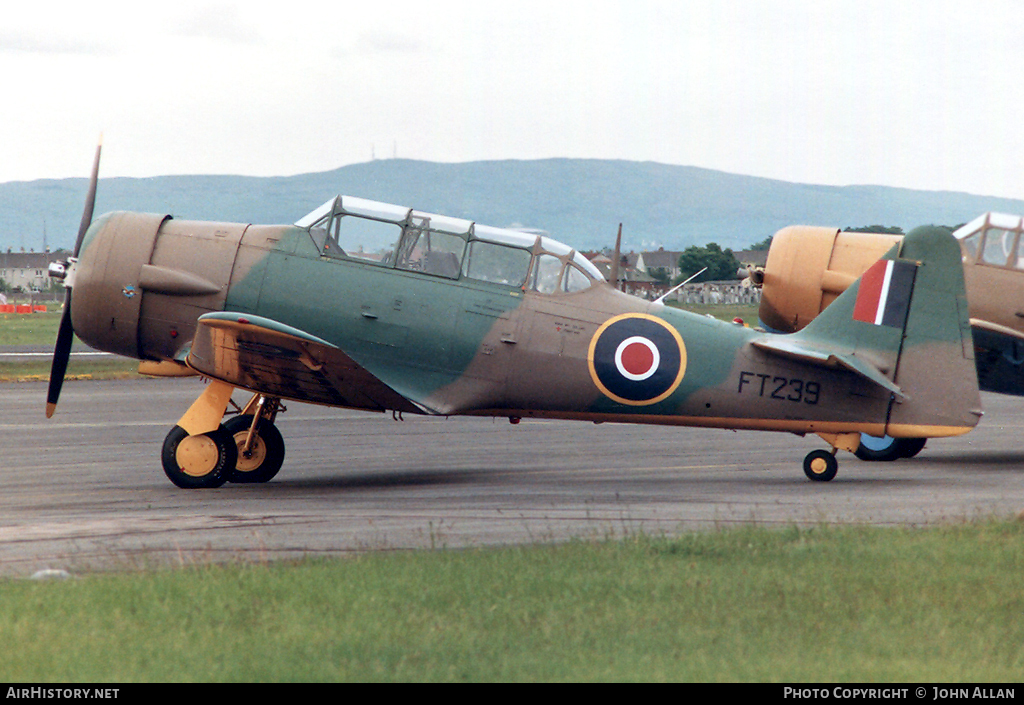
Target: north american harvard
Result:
[[373, 306]]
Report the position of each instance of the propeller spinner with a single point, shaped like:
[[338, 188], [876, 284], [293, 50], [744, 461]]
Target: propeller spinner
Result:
[[66, 333]]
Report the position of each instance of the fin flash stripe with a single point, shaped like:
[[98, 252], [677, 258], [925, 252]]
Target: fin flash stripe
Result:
[[884, 295]]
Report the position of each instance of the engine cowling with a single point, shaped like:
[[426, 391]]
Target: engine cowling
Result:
[[808, 267], [143, 279], [106, 293]]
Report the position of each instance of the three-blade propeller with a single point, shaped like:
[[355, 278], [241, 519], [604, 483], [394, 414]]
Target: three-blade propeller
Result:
[[66, 333]]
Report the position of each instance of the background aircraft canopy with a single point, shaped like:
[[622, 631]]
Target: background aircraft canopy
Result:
[[993, 238]]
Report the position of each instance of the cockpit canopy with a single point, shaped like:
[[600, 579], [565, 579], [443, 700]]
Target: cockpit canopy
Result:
[[384, 235], [993, 238]]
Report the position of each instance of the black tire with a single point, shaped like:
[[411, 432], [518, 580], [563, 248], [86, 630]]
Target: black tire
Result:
[[267, 453], [820, 465], [219, 450], [875, 449], [909, 447]]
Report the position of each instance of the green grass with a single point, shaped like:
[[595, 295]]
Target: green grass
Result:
[[78, 368], [30, 328], [41, 329], [751, 604]]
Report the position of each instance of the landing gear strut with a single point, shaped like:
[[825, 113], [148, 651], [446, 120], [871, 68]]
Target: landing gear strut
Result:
[[200, 452], [259, 443]]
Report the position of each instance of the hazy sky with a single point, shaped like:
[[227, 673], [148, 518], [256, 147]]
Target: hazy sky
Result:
[[924, 94]]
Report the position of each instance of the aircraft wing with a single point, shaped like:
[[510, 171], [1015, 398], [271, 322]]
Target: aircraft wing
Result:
[[830, 359], [999, 356], [263, 355]]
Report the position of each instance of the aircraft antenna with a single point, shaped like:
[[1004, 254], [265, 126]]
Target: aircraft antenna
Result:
[[658, 300], [615, 259]]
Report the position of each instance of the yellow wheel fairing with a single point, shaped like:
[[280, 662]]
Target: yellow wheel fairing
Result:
[[636, 359]]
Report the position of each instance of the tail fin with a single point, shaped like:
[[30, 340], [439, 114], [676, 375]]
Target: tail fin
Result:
[[906, 322]]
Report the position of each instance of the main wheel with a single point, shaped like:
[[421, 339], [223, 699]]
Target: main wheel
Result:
[[202, 460], [265, 458], [820, 465], [887, 448], [909, 447]]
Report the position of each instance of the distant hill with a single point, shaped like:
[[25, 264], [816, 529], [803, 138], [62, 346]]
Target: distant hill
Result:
[[579, 201]]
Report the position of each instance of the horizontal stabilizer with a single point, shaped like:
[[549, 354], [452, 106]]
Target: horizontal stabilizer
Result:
[[830, 359]]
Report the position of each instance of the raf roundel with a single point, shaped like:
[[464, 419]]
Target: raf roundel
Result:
[[637, 359]]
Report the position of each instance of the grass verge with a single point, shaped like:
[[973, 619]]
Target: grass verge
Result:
[[30, 328], [39, 369], [40, 329], [750, 604]]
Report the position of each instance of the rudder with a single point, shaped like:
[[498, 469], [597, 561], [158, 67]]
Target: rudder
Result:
[[907, 318]]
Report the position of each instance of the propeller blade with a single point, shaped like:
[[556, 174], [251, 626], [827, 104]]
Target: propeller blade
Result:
[[61, 353], [66, 332], [90, 199]]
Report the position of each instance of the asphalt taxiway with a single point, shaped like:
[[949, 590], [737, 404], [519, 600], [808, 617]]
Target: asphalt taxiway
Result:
[[85, 490]]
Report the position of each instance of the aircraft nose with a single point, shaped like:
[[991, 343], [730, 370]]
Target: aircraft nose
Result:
[[64, 270], [104, 280]]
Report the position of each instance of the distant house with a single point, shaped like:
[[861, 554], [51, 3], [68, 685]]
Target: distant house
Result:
[[661, 258], [632, 279], [27, 271]]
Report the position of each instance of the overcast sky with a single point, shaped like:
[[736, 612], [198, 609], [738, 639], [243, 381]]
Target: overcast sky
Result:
[[925, 94]]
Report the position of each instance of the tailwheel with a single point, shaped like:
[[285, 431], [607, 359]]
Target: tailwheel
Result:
[[199, 461], [265, 454], [821, 465]]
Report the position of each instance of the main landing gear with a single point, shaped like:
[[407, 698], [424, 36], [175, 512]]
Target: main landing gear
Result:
[[201, 452], [888, 448]]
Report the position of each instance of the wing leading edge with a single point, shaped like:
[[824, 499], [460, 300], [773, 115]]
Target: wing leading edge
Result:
[[264, 355]]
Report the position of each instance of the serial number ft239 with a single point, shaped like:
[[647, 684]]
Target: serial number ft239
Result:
[[775, 387]]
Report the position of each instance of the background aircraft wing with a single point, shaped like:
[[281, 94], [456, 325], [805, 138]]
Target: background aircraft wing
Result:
[[263, 355]]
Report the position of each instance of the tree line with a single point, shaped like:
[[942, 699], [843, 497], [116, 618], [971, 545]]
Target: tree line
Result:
[[722, 263]]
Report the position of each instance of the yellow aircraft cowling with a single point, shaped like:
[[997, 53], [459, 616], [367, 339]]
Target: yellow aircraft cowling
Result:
[[808, 267]]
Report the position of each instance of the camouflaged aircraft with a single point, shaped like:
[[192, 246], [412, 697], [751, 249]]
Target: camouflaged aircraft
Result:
[[378, 307], [809, 267]]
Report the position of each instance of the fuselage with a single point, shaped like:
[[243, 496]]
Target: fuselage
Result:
[[455, 317]]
